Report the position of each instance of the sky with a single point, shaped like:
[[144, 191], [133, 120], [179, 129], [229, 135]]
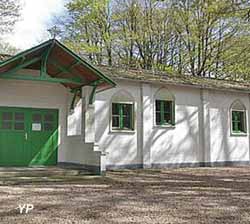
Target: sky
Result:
[[36, 17]]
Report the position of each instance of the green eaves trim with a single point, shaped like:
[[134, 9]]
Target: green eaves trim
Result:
[[52, 42], [24, 53], [45, 78], [89, 66], [27, 63]]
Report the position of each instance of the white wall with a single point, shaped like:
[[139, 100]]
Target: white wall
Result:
[[79, 152], [223, 145], [74, 125], [120, 147], [188, 142], [31, 94], [178, 144], [184, 143]]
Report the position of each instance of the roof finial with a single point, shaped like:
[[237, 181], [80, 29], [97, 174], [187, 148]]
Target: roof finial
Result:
[[54, 31]]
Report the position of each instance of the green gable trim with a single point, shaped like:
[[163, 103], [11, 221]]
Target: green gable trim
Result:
[[45, 59], [27, 63], [45, 78], [89, 66], [24, 53]]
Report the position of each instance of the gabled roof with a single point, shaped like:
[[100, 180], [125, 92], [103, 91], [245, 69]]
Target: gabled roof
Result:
[[57, 63], [63, 63], [146, 76]]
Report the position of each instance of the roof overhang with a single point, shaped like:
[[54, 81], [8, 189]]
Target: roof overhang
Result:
[[56, 63]]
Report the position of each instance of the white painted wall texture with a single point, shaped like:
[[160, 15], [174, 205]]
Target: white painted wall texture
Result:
[[30, 94], [178, 144], [201, 133], [37, 95], [223, 145], [121, 148]]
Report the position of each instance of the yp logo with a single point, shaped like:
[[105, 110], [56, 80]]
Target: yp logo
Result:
[[25, 208]]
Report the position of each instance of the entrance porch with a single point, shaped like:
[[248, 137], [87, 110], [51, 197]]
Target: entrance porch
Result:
[[39, 121]]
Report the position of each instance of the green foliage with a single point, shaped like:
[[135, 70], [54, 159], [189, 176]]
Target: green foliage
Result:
[[6, 48], [9, 13], [199, 37]]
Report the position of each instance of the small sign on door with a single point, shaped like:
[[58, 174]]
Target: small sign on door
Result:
[[36, 127]]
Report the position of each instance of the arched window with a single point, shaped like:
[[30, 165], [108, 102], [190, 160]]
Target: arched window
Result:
[[122, 116], [238, 118], [164, 108]]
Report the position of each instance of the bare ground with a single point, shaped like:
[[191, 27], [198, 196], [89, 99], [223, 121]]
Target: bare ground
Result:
[[198, 195]]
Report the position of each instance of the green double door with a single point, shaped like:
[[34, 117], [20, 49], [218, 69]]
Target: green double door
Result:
[[28, 136]]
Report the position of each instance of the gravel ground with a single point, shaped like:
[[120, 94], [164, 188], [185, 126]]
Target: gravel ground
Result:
[[197, 195]]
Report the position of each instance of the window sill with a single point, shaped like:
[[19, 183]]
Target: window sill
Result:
[[164, 126], [238, 134], [122, 131]]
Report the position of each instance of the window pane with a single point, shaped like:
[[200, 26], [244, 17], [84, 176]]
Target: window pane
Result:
[[158, 118], [19, 126], [115, 109], [127, 109], [167, 106], [37, 118], [157, 105], [241, 122], [167, 118], [122, 116], [7, 116], [127, 116], [6, 125], [234, 121], [19, 116], [235, 126], [238, 121], [48, 127], [127, 122], [164, 112], [49, 117], [235, 116], [115, 121]]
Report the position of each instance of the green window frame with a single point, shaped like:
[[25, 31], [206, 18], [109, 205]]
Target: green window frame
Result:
[[12, 121], [122, 116], [164, 112], [238, 121]]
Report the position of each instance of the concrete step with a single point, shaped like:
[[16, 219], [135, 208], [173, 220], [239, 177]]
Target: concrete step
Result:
[[40, 172], [7, 181]]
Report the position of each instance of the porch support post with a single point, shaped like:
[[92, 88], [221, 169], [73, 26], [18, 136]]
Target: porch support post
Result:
[[88, 114], [88, 117]]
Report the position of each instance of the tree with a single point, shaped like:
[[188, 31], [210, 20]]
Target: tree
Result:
[[9, 14], [205, 38], [142, 34], [6, 48], [87, 29], [205, 27]]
